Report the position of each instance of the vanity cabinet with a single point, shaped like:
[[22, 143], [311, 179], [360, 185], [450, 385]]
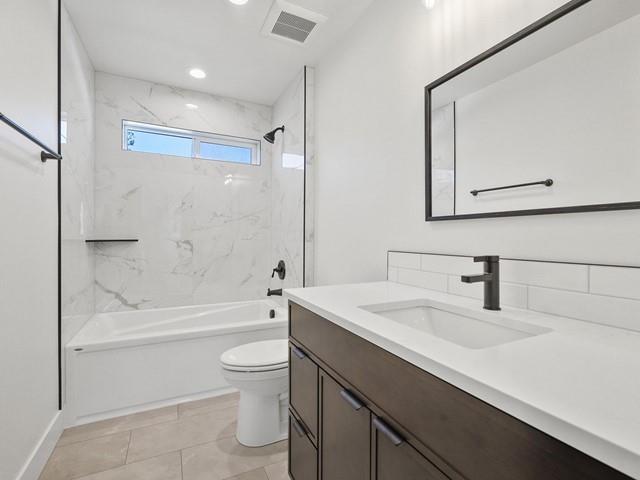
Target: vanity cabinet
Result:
[[379, 417], [395, 459], [303, 389], [345, 432], [303, 455]]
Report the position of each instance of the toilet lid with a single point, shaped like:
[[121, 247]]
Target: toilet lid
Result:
[[269, 353]]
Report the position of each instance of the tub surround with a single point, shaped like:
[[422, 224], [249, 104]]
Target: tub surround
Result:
[[209, 231], [572, 383], [203, 225]]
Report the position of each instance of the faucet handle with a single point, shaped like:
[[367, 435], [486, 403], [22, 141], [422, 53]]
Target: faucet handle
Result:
[[487, 258]]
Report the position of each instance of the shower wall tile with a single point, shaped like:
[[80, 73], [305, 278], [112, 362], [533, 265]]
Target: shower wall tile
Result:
[[204, 226], [288, 184], [77, 169], [310, 163]]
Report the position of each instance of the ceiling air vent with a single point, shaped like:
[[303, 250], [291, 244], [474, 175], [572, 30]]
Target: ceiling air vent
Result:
[[291, 22]]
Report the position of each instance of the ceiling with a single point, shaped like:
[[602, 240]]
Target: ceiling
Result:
[[160, 40]]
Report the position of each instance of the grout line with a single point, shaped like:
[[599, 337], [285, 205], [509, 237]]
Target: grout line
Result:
[[117, 432], [180, 449], [520, 259], [123, 466], [181, 466], [245, 473], [126, 457]]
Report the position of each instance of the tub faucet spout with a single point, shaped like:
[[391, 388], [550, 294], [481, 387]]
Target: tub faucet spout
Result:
[[277, 292]]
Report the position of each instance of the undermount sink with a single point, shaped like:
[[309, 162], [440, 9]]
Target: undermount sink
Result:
[[474, 330]]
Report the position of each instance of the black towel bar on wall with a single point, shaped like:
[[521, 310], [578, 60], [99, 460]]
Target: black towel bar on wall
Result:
[[547, 183], [46, 154]]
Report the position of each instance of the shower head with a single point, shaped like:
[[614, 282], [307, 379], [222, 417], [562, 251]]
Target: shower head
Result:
[[271, 136]]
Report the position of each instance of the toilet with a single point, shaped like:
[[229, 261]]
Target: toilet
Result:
[[260, 371]]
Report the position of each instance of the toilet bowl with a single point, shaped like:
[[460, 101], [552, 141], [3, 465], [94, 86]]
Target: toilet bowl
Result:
[[260, 371]]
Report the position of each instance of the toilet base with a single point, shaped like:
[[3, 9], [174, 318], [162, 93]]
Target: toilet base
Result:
[[262, 419]]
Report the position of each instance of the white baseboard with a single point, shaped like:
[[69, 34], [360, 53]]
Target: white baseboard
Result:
[[41, 453]]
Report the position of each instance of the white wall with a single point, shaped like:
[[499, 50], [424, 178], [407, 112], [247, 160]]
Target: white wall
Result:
[[28, 241], [370, 146]]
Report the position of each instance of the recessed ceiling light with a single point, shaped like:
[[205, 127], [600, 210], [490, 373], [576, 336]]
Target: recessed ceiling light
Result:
[[191, 106], [197, 73], [429, 3], [238, 2]]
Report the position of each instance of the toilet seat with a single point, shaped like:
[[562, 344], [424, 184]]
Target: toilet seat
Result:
[[266, 356]]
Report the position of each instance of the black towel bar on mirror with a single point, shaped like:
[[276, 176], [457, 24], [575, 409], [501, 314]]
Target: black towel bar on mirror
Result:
[[547, 183], [47, 153]]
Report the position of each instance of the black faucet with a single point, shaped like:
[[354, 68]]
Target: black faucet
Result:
[[277, 292], [491, 279]]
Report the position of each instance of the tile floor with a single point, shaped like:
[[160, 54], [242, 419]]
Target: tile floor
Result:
[[190, 441]]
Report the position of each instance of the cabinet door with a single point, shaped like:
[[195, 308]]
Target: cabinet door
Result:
[[345, 434], [303, 392], [303, 457], [395, 459]]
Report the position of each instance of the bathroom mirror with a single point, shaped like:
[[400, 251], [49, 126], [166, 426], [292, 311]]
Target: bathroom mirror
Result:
[[547, 121]]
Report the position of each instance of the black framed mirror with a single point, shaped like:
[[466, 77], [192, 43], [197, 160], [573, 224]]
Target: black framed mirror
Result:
[[547, 121]]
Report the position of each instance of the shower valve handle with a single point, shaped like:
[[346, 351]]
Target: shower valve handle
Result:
[[281, 270]]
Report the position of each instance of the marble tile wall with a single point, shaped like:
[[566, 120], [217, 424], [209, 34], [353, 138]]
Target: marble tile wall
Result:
[[608, 295], [204, 226], [310, 162], [78, 150]]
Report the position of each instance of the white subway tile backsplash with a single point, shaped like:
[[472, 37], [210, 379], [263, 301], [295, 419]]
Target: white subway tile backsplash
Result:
[[604, 295], [404, 260], [449, 264], [615, 281], [543, 274], [616, 312], [416, 278]]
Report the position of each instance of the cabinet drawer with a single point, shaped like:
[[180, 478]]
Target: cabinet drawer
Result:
[[476, 439], [345, 448], [395, 459], [303, 391], [303, 456]]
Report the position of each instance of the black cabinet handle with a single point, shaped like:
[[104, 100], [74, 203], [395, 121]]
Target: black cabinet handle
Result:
[[351, 399], [298, 352], [389, 432], [297, 426]]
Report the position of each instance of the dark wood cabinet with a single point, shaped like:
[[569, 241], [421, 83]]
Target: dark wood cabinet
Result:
[[303, 391], [303, 456], [446, 432], [396, 459], [345, 433]]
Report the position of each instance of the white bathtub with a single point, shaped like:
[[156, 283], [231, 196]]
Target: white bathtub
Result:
[[123, 362]]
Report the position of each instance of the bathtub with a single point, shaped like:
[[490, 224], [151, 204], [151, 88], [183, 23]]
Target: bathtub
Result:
[[124, 362]]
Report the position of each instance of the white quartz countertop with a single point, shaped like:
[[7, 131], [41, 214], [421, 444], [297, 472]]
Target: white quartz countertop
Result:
[[579, 383]]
